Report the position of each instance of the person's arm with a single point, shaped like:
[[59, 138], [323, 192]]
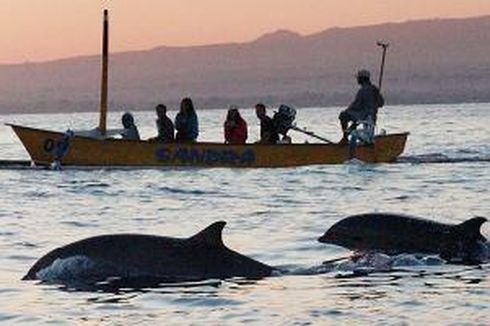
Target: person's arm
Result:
[[170, 129], [124, 133], [136, 133], [265, 135], [194, 125], [226, 131], [246, 130]]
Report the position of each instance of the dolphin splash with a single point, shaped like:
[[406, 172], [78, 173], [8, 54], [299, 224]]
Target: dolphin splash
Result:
[[202, 256], [395, 234]]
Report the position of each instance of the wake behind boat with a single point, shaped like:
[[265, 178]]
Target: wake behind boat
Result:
[[96, 148]]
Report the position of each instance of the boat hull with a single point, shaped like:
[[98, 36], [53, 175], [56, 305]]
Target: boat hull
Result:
[[84, 151]]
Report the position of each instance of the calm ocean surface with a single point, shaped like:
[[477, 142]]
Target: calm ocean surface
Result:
[[273, 215]]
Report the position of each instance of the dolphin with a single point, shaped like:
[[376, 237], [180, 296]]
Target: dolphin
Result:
[[394, 234], [202, 256]]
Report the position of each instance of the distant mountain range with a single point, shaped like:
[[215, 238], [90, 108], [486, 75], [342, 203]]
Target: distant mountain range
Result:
[[429, 61]]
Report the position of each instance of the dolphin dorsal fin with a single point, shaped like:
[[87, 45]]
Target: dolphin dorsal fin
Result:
[[211, 236], [471, 227]]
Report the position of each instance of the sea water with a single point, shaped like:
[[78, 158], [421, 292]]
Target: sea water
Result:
[[272, 215]]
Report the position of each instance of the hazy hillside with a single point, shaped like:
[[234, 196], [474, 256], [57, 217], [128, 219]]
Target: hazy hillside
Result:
[[429, 61]]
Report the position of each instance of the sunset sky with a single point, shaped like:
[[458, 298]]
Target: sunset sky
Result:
[[39, 30]]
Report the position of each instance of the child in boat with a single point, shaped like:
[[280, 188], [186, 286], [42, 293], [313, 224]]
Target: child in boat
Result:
[[165, 126], [235, 127], [130, 130], [186, 122]]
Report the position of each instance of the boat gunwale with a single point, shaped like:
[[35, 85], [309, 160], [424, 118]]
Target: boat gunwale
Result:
[[406, 134]]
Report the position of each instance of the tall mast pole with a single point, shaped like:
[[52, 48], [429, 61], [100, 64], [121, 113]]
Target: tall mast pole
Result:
[[105, 66], [385, 46]]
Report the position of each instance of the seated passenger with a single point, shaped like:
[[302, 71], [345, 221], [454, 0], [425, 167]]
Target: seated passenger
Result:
[[365, 105], [165, 126], [236, 131], [130, 130], [186, 122], [268, 132]]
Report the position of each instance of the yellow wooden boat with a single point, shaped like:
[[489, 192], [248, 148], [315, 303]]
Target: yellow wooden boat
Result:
[[97, 149], [85, 151]]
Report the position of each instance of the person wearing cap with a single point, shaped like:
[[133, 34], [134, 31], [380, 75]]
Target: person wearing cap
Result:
[[235, 127], [365, 105], [130, 130]]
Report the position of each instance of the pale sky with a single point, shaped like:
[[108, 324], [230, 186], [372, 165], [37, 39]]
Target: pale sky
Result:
[[39, 30]]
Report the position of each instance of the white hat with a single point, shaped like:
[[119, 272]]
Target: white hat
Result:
[[363, 73]]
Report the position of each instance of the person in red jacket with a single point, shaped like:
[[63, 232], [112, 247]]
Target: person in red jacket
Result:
[[236, 131]]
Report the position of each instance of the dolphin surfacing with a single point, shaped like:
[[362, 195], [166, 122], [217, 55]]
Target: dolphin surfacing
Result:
[[202, 256], [395, 234]]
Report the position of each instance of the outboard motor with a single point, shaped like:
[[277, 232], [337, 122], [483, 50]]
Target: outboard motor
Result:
[[284, 119], [364, 131]]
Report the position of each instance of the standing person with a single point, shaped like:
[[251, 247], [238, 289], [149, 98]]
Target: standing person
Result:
[[365, 106], [186, 122], [130, 130], [165, 126], [268, 132], [236, 130]]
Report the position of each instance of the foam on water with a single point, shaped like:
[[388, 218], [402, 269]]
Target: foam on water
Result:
[[369, 262], [379, 262], [440, 158], [68, 269]]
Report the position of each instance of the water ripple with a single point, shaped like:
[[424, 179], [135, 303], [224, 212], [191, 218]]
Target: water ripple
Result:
[[273, 215]]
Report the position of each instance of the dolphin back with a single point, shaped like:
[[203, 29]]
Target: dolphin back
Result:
[[217, 255], [211, 236], [393, 233], [201, 256], [390, 233]]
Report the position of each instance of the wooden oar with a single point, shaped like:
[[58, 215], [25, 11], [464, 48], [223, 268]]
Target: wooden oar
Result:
[[311, 134]]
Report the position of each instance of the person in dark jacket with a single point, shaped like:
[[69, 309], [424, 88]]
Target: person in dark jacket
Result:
[[186, 122], [268, 132], [165, 126], [365, 106], [236, 130]]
